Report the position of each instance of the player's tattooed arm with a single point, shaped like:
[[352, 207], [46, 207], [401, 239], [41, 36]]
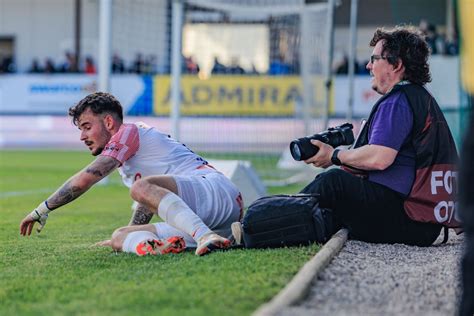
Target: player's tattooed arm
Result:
[[82, 181], [65, 194], [102, 167], [141, 215]]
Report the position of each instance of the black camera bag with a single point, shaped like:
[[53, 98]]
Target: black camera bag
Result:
[[286, 220]]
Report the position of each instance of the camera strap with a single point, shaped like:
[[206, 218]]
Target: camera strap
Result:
[[357, 140]]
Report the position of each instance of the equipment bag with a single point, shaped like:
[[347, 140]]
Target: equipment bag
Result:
[[286, 220]]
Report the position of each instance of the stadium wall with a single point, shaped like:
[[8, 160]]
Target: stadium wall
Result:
[[232, 95]]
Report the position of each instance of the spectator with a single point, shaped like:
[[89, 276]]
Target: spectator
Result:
[[218, 68], [117, 64], [89, 66], [190, 65], [452, 47], [150, 65], [138, 64], [49, 66], [279, 66], [254, 71], [235, 67], [429, 31], [432, 38], [362, 70], [438, 42], [35, 67], [342, 68], [70, 65]]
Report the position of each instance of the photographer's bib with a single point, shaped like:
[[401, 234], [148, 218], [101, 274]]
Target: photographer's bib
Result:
[[433, 196]]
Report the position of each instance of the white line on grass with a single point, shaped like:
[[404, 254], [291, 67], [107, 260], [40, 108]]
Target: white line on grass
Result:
[[104, 182], [21, 193]]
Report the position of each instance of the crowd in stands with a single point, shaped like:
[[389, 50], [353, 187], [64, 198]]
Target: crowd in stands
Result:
[[145, 65], [233, 69], [341, 67], [277, 67], [139, 65], [437, 40], [69, 65]]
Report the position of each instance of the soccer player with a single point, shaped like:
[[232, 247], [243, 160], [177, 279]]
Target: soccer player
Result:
[[197, 203]]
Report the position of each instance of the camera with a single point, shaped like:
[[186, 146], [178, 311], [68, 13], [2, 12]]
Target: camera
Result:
[[302, 149]]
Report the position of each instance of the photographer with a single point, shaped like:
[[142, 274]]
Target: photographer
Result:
[[382, 192]]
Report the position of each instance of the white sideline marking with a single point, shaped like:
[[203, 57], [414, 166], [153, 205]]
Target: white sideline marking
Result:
[[21, 193], [104, 182]]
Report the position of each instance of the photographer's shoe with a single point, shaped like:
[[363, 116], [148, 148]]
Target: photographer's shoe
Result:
[[237, 233], [211, 242]]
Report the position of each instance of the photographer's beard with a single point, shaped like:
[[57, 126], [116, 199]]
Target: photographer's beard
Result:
[[381, 85]]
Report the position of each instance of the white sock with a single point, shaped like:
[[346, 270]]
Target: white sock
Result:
[[134, 238], [175, 212]]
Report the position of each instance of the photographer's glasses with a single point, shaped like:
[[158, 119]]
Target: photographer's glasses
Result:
[[377, 57]]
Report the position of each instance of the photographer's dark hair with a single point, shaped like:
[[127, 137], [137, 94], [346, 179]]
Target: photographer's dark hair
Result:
[[99, 103], [409, 45]]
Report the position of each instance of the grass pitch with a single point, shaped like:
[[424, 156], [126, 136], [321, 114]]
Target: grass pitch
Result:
[[60, 272]]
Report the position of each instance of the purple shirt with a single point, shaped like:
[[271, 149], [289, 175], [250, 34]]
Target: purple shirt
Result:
[[391, 127]]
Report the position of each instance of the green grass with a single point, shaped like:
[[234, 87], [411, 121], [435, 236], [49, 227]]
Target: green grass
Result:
[[59, 271], [264, 164]]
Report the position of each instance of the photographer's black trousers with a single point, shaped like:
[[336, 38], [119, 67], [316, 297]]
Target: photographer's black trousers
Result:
[[370, 211]]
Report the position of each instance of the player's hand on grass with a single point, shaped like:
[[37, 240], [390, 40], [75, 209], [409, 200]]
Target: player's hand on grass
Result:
[[26, 225]]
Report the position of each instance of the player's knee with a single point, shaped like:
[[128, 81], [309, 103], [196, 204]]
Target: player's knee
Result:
[[137, 191], [118, 237], [119, 231], [143, 189]]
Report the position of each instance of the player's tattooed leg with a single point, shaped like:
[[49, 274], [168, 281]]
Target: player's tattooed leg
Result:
[[141, 215]]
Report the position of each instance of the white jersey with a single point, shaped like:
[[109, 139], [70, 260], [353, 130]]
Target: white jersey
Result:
[[144, 151]]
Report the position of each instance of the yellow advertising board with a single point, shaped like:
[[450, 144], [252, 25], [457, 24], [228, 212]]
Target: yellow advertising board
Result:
[[466, 18], [235, 95]]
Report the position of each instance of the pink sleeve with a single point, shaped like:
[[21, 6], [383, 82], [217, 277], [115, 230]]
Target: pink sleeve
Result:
[[124, 144]]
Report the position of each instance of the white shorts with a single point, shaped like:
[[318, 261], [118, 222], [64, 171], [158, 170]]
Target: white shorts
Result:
[[213, 197]]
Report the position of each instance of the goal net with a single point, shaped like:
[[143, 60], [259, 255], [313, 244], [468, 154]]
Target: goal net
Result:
[[252, 75], [261, 66]]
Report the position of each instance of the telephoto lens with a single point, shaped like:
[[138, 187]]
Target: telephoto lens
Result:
[[302, 148]]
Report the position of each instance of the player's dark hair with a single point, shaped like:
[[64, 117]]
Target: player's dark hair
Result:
[[98, 103], [407, 44]]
